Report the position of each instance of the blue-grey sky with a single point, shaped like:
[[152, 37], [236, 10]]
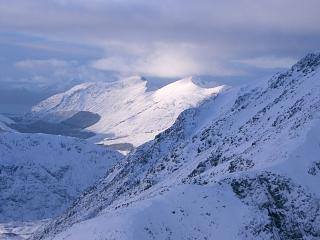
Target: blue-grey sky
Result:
[[54, 44]]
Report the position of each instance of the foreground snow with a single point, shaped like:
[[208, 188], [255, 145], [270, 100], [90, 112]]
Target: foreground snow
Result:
[[129, 113], [184, 212]]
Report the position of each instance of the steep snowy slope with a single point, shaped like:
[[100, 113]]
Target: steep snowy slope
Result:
[[41, 175], [243, 165], [129, 113]]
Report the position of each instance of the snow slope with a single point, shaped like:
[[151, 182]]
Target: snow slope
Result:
[[129, 113], [243, 165], [41, 175], [185, 212]]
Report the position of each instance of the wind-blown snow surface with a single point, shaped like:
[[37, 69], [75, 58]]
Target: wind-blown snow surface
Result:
[[41, 175], [129, 113], [243, 165]]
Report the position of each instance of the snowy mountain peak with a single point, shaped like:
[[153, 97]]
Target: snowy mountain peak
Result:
[[133, 80], [307, 66], [185, 87], [184, 82], [309, 63], [129, 113]]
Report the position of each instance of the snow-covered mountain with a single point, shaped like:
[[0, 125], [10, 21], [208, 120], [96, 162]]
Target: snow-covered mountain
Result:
[[41, 175], [243, 165], [129, 113]]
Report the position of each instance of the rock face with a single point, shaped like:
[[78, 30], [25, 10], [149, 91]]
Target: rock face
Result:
[[41, 175], [243, 165], [129, 113]]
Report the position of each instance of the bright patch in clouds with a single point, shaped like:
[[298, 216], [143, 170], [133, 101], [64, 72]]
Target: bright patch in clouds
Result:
[[163, 61], [160, 64]]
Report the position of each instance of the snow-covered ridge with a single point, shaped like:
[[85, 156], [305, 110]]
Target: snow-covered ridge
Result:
[[129, 113], [242, 165]]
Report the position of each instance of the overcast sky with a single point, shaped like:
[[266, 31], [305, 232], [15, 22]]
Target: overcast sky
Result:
[[61, 42]]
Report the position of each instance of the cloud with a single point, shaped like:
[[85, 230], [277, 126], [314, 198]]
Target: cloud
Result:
[[43, 64], [170, 38], [269, 62], [163, 61], [55, 74]]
